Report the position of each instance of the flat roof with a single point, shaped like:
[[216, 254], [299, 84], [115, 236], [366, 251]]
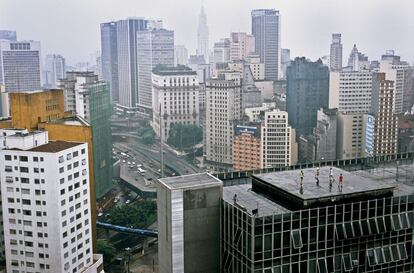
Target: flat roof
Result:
[[286, 185], [250, 200], [190, 181], [55, 146]]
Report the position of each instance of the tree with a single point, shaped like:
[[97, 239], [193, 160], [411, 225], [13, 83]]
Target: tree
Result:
[[146, 134], [106, 249], [139, 214], [184, 136]]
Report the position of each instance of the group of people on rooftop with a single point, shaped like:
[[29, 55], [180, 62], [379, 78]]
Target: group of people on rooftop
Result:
[[331, 179]]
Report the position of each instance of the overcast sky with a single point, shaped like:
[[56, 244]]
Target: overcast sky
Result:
[[71, 27]]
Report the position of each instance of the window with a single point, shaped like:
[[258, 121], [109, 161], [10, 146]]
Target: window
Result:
[[7, 157], [372, 260], [405, 221], [296, 239], [24, 169], [403, 251], [365, 227], [322, 266], [23, 158], [340, 232], [347, 262], [396, 223]]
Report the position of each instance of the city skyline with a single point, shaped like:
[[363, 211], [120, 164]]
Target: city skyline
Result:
[[301, 31]]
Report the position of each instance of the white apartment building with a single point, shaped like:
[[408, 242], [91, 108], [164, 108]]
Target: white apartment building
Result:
[[175, 98], [350, 91], [278, 144], [223, 109], [45, 204]]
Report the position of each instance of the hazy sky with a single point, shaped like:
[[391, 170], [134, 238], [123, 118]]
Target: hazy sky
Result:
[[71, 27]]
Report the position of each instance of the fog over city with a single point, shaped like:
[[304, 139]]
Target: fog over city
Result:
[[71, 28]]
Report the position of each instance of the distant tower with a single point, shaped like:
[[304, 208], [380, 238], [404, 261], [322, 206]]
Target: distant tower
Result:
[[202, 36], [266, 29], [336, 52]]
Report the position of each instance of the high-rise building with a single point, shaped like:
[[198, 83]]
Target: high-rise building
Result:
[[109, 57], [54, 70], [246, 147], [34, 110], [358, 61], [221, 52], [180, 55], [278, 141], [257, 67], [401, 73], [307, 92], [350, 91], [336, 53], [20, 68], [180, 203], [321, 144], [8, 35], [46, 204], [386, 122], [127, 31], [266, 30], [154, 47], [175, 98], [285, 62], [92, 102], [203, 48], [223, 110], [241, 45]]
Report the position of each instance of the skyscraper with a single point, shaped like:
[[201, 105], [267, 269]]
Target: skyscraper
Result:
[[202, 36], [89, 98], [109, 57], [154, 47], [54, 70], [266, 30], [223, 110], [20, 65], [127, 60], [336, 52], [8, 35], [307, 92], [44, 230], [285, 62], [358, 61]]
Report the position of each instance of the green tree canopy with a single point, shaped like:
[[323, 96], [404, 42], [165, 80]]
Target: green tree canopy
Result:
[[184, 136], [106, 249], [146, 134]]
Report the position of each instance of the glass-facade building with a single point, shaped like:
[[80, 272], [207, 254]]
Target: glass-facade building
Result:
[[272, 226]]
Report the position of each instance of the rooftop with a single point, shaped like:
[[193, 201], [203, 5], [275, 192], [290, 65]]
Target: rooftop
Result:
[[173, 71], [285, 187], [190, 181], [55, 146]]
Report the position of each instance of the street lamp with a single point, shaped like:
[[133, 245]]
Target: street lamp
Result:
[[128, 254]]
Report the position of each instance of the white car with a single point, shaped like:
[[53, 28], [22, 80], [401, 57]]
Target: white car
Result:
[[127, 201]]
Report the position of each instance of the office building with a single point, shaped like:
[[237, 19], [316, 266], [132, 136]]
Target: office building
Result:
[[321, 144], [127, 31], [266, 30], [335, 56], [221, 53], [180, 55], [155, 47], [246, 147], [269, 225], [355, 135], [285, 62], [358, 61], [46, 204], [203, 48], [401, 74], [257, 67], [307, 92], [91, 99], [20, 68], [175, 92], [54, 70], [109, 57], [278, 141], [350, 91], [189, 212], [386, 122], [241, 45], [10, 35], [223, 110], [406, 133]]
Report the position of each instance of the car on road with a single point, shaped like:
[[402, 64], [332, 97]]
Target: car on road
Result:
[[127, 202]]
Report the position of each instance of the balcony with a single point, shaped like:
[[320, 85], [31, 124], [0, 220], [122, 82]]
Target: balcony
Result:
[[97, 266]]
